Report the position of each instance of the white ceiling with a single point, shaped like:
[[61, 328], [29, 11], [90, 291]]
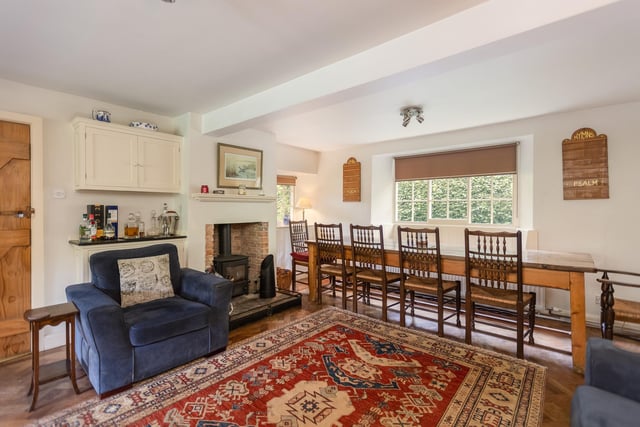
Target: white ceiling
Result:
[[327, 74]]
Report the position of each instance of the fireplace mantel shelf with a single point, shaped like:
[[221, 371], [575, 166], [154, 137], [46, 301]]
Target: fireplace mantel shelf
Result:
[[206, 197]]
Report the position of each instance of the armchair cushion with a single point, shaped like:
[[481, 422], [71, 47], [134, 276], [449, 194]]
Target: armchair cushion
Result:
[[592, 406], [610, 395], [105, 274], [144, 279], [165, 318]]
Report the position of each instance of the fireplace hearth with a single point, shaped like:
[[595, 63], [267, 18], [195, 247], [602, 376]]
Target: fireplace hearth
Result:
[[224, 243]]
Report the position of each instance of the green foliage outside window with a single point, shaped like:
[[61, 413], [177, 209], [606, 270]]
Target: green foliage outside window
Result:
[[284, 202], [476, 200]]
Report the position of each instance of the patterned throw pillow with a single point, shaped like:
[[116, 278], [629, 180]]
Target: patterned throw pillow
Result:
[[144, 279]]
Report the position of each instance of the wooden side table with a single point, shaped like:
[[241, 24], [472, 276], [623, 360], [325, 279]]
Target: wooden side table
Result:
[[52, 315]]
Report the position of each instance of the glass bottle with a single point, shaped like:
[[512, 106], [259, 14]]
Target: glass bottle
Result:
[[93, 227], [153, 226], [164, 220], [109, 228], [140, 224], [84, 230], [131, 229], [109, 231]]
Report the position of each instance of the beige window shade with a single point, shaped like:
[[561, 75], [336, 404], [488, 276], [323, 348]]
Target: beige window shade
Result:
[[500, 159], [286, 180]]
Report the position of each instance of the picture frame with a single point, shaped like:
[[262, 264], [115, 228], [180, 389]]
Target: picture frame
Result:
[[239, 166]]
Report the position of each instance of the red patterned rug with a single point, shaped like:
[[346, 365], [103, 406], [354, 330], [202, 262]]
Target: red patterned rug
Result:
[[332, 368]]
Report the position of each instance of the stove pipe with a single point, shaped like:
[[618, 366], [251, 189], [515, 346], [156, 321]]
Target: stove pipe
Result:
[[224, 239]]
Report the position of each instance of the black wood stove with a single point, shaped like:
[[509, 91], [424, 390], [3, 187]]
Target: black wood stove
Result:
[[232, 267]]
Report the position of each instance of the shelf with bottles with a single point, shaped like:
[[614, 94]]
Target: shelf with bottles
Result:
[[122, 240]]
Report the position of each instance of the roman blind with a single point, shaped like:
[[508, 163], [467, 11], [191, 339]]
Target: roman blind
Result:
[[494, 160], [286, 180]]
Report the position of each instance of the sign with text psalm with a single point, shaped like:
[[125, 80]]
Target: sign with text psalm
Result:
[[585, 165]]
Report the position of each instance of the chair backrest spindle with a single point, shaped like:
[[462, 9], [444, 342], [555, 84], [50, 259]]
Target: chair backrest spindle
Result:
[[419, 250], [367, 243], [299, 232], [496, 258]]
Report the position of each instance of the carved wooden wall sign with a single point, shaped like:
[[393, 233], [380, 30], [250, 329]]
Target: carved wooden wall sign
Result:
[[585, 165], [351, 180]]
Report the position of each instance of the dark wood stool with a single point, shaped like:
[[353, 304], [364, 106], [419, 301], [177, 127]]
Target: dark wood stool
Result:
[[52, 315]]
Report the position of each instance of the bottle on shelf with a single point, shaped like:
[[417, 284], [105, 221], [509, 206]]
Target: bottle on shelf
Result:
[[111, 227], [131, 229], [93, 226], [164, 220], [109, 231], [140, 224], [84, 229], [153, 226]]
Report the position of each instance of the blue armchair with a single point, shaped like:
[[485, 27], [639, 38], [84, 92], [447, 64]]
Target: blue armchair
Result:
[[118, 346], [610, 395]]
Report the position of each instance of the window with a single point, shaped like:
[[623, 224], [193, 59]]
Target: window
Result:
[[475, 186], [474, 200], [286, 186]]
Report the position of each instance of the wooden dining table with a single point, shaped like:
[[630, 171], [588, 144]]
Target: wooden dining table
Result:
[[556, 270]]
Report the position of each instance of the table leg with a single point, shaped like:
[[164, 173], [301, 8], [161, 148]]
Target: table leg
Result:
[[314, 288], [578, 320], [71, 352], [35, 364]]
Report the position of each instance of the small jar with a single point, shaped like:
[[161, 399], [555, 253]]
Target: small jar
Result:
[[204, 189], [242, 190]]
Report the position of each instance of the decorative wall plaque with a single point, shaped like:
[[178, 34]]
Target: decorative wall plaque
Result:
[[585, 165], [351, 180]]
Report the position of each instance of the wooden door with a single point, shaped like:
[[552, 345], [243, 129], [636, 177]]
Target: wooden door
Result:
[[15, 238]]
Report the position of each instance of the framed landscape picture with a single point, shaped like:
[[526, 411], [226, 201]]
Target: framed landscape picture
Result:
[[239, 166]]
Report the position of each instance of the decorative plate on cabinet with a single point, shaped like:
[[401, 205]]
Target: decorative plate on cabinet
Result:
[[144, 125]]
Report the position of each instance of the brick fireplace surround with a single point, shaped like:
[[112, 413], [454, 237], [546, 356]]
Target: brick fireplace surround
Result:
[[249, 238]]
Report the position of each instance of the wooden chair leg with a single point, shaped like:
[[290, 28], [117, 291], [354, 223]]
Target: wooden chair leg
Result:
[[354, 286], [319, 287], [440, 313], [384, 302], [402, 306], [412, 294], [532, 317], [458, 305], [468, 325], [293, 275], [520, 332]]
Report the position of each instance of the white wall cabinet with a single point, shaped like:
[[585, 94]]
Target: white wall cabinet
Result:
[[121, 158]]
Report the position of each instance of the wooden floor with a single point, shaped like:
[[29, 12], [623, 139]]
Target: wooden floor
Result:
[[560, 384]]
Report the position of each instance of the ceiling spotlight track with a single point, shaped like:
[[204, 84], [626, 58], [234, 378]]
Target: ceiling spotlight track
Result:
[[412, 111]]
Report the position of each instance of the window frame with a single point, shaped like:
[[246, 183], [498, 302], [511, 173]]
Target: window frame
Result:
[[462, 222], [285, 181]]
